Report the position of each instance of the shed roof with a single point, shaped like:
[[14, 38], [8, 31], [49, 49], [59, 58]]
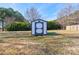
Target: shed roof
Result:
[[39, 20]]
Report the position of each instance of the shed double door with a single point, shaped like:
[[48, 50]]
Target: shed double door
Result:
[[39, 28]]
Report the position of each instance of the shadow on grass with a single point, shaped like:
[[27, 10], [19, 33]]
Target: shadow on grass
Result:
[[52, 33]]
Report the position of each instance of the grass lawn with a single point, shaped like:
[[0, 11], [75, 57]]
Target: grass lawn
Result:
[[55, 43]]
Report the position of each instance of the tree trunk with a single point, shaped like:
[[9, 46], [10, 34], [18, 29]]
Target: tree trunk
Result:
[[2, 25]]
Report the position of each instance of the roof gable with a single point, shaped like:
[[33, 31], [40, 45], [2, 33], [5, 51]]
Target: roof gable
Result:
[[39, 20]]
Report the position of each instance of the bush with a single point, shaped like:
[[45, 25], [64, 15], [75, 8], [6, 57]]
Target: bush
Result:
[[53, 25], [18, 26]]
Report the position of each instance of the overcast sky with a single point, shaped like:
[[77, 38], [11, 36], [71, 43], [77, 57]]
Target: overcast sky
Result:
[[48, 11]]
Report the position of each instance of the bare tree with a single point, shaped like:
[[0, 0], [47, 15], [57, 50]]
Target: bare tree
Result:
[[32, 14], [64, 13]]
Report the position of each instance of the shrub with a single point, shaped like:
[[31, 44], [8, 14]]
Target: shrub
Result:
[[18, 26], [53, 25]]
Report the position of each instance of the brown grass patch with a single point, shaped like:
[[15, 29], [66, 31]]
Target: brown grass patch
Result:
[[23, 43]]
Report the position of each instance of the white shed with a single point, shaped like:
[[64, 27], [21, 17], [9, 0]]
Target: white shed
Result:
[[39, 27]]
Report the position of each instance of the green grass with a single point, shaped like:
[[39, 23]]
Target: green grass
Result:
[[56, 42]]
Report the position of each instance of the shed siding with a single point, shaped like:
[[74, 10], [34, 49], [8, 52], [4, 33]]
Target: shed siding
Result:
[[45, 27], [33, 28]]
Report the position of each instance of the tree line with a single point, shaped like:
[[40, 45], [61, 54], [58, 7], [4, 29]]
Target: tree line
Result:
[[14, 20], [68, 15]]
